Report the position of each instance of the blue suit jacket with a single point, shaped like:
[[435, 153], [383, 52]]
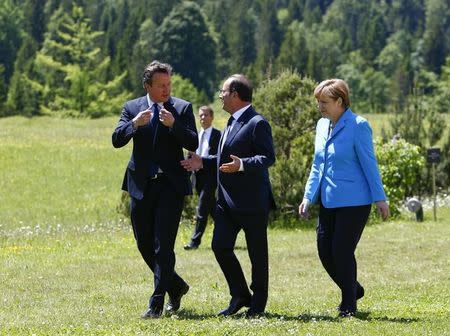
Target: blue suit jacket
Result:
[[166, 151], [247, 191], [344, 170]]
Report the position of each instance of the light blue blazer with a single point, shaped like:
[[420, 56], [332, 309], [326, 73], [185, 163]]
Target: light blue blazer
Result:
[[344, 170]]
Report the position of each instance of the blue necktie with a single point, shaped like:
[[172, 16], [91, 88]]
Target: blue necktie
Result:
[[153, 169], [155, 116]]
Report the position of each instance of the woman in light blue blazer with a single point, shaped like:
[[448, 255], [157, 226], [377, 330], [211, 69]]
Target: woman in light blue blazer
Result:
[[345, 181]]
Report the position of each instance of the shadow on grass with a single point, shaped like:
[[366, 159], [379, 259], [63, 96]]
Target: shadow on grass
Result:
[[365, 316], [307, 317]]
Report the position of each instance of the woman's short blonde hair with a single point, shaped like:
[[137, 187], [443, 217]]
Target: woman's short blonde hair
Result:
[[334, 88]]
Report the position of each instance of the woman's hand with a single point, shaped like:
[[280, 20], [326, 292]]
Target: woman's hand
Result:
[[383, 209], [303, 208]]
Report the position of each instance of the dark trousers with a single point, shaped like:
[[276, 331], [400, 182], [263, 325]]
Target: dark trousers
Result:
[[206, 207], [226, 227], [338, 233], [155, 221]]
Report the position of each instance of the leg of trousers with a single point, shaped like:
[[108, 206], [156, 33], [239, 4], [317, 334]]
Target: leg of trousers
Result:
[[223, 242], [338, 233], [206, 207], [155, 221], [255, 229]]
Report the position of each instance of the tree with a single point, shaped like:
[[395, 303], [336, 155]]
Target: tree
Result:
[[182, 36], [22, 99], [268, 40], [436, 36], [11, 32], [294, 49], [70, 74]]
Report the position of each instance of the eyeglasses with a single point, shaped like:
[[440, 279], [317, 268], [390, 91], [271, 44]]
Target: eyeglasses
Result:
[[221, 92]]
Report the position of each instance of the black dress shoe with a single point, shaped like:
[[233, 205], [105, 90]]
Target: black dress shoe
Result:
[[174, 301], [252, 313], [346, 313], [235, 305], [190, 246], [152, 312], [359, 294]]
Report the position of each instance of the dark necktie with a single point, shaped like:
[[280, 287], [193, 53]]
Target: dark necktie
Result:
[[153, 169], [227, 131], [155, 116]]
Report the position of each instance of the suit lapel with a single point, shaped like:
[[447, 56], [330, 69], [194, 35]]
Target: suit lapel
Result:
[[341, 124], [248, 113]]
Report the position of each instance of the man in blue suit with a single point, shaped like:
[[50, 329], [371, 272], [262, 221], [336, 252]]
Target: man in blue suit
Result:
[[205, 180], [160, 126], [244, 195]]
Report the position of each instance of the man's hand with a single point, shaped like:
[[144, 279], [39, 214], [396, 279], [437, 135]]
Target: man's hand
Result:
[[231, 167], [383, 209], [303, 208], [143, 118], [193, 163], [166, 118]]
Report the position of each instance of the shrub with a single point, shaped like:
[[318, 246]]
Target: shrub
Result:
[[288, 103], [400, 166]]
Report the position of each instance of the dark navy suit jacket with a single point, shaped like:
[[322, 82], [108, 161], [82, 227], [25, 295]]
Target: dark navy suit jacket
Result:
[[247, 191], [207, 178], [166, 150]]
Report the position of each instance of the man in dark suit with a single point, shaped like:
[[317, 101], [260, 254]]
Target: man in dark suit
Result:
[[205, 180], [244, 195], [160, 126]]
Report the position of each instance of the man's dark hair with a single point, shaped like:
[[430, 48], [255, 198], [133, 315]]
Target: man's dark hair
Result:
[[242, 86], [152, 68]]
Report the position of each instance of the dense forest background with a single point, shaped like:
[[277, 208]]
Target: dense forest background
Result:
[[84, 58]]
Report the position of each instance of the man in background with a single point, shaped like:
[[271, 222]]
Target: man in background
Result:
[[205, 180]]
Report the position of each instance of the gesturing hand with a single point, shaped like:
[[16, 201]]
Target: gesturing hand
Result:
[[143, 117], [231, 167], [166, 117], [193, 163]]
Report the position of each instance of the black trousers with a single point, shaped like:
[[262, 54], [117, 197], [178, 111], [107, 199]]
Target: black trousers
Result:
[[206, 207], [226, 228], [155, 221], [338, 233]]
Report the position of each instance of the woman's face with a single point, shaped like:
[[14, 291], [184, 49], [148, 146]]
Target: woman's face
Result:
[[330, 108]]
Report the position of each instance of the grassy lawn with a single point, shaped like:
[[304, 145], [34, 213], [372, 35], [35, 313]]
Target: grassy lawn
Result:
[[69, 265]]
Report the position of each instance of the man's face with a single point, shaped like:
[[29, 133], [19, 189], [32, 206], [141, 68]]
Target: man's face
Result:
[[159, 89], [227, 97], [205, 118]]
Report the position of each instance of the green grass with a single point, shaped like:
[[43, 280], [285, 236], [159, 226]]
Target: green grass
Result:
[[69, 265]]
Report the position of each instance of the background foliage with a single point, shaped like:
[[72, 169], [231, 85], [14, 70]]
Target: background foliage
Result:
[[384, 49], [83, 59]]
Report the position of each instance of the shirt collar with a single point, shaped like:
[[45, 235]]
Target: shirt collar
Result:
[[150, 102], [236, 115], [207, 130]]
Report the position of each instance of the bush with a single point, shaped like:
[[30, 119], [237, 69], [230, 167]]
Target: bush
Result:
[[400, 166], [288, 103]]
